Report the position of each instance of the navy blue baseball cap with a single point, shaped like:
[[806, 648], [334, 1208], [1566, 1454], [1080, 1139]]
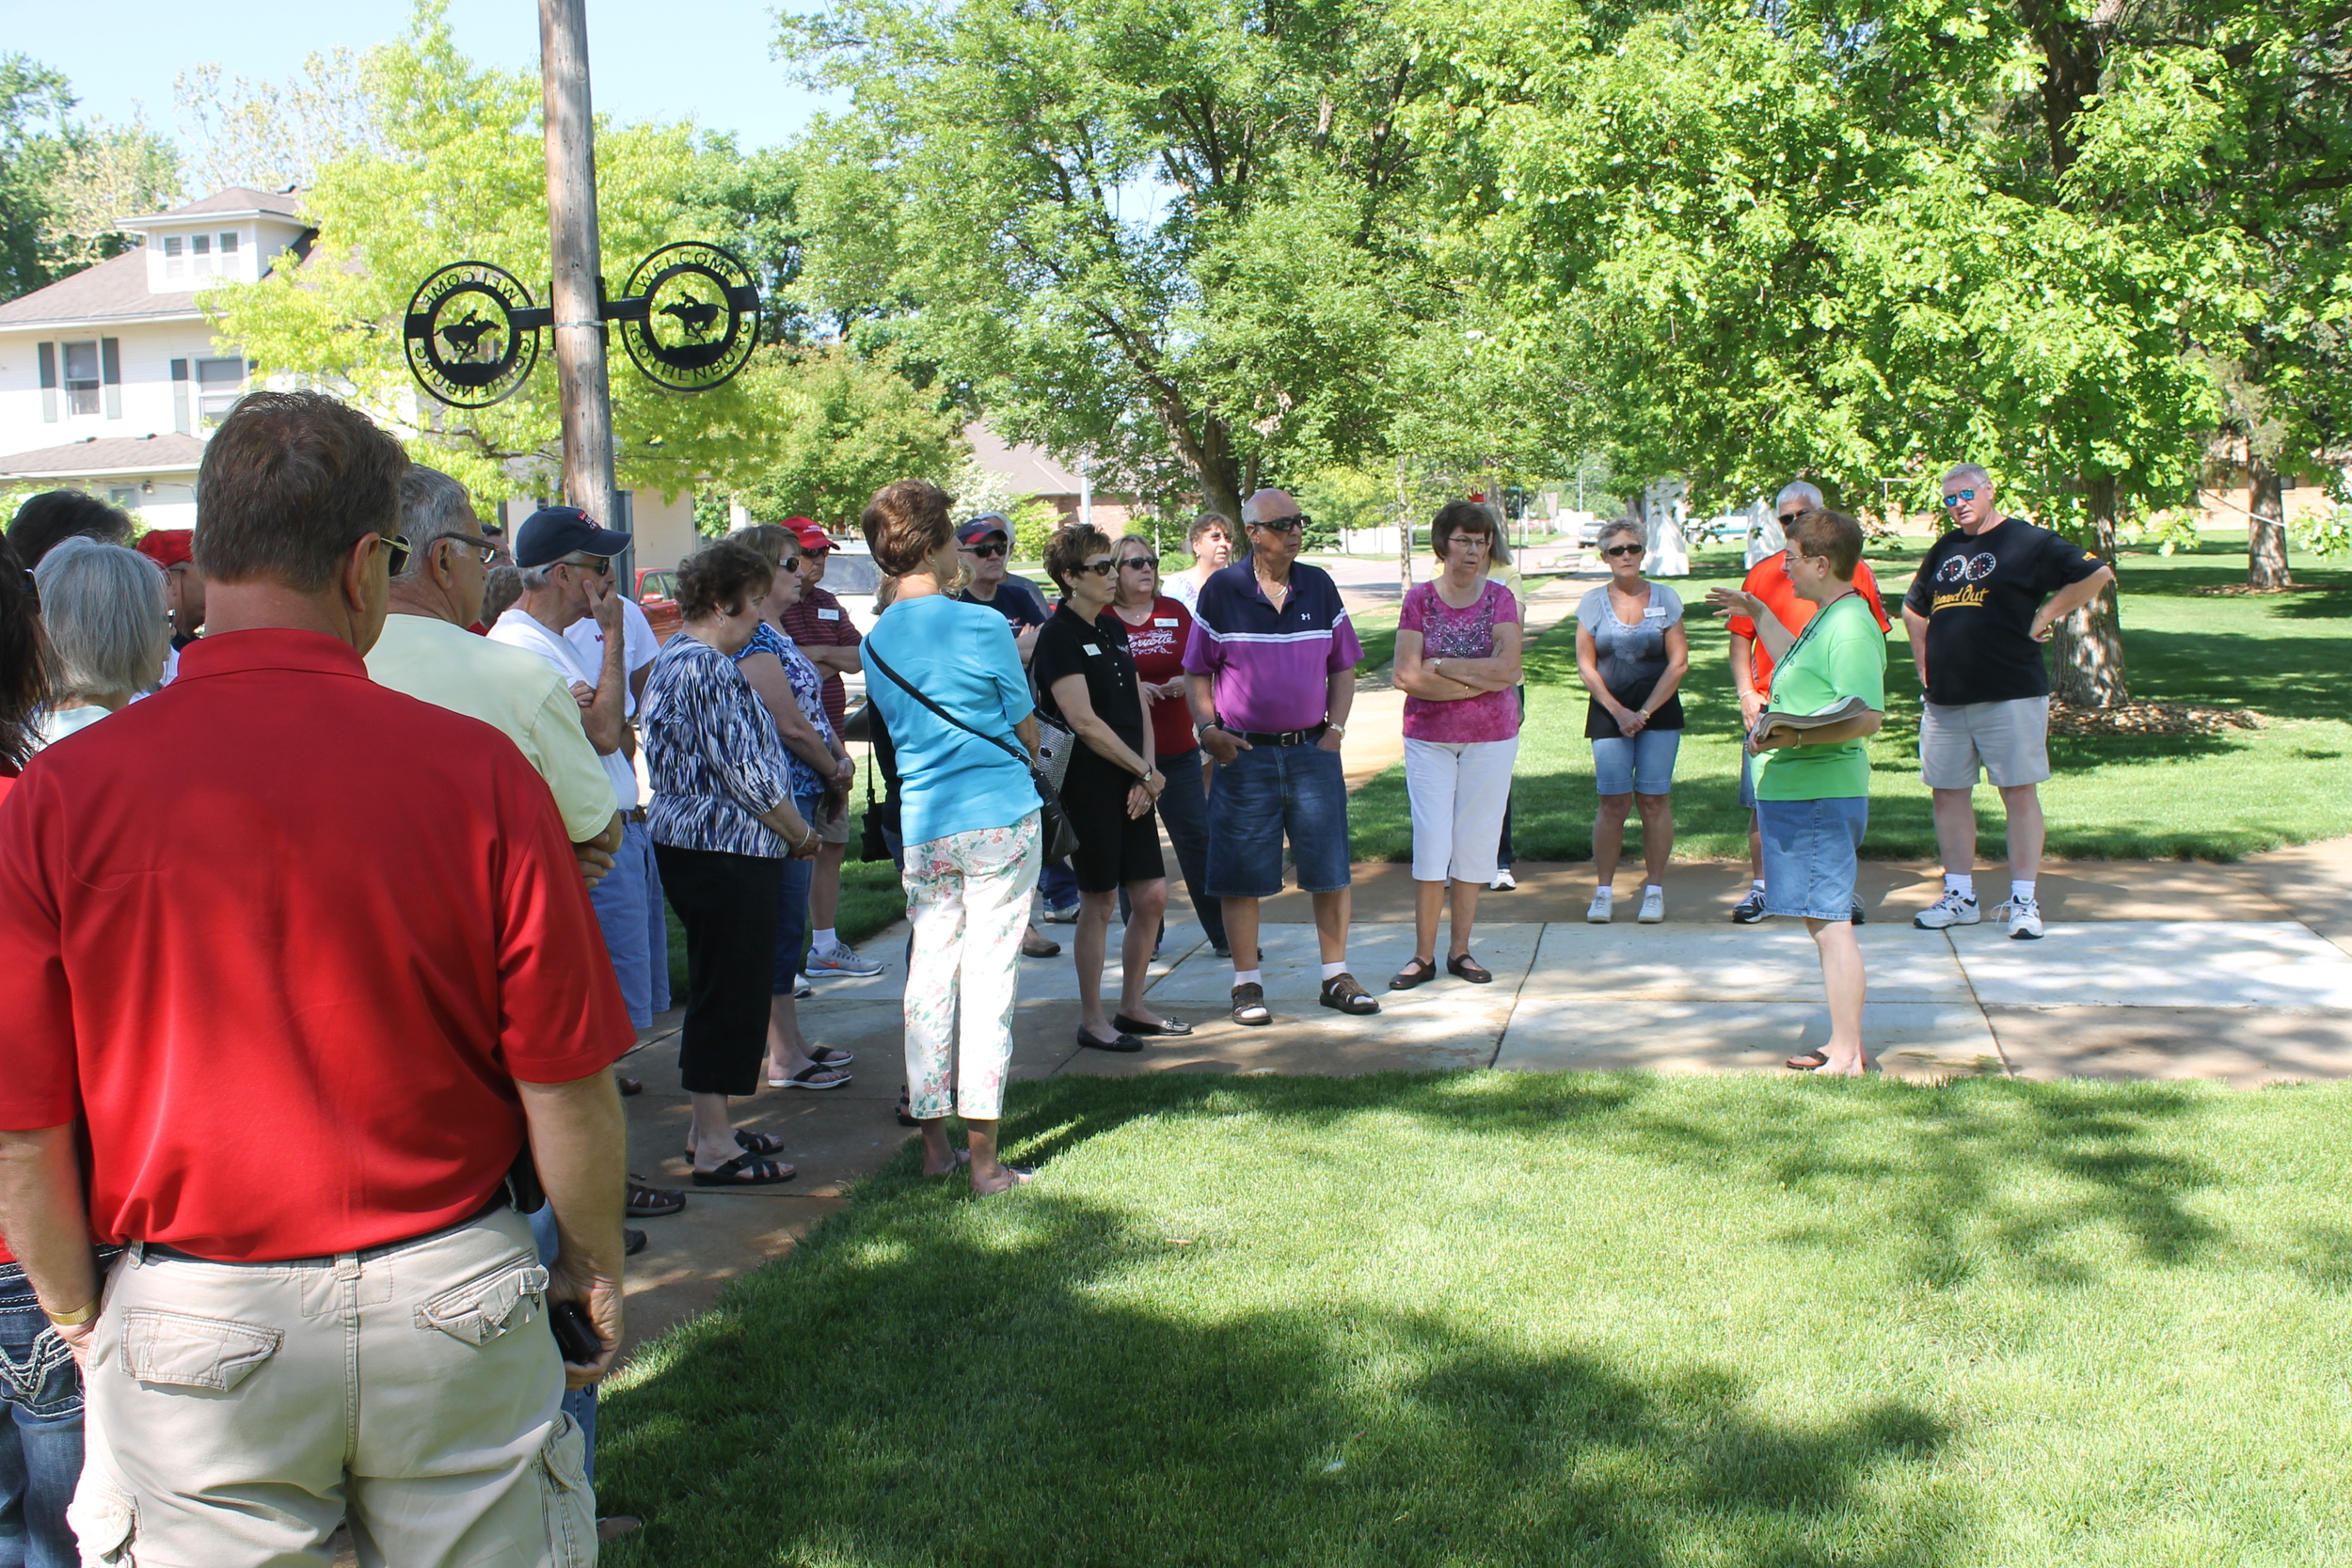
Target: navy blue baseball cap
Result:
[[552, 533]]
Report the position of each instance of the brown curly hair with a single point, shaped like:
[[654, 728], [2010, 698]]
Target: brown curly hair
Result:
[[719, 577]]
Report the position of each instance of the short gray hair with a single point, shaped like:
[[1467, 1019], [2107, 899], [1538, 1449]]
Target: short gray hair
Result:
[[537, 578], [1623, 525], [102, 606], [1969, 470], [1799, 490], [433, 507]]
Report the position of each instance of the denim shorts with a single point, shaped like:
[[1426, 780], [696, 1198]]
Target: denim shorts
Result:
[[1264, 795], [1643, 764], [1810, 855]]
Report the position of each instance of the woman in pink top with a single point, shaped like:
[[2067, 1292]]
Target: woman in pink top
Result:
[[1457, 663]]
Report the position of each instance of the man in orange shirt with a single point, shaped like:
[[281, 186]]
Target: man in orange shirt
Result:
[[1751, 670]]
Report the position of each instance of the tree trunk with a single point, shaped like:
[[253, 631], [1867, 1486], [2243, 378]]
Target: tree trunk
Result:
[[1404, 535], [2087, 647], [2265, 528]]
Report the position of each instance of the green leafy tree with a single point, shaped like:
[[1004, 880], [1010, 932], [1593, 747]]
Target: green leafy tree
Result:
[[1153, 235], [846, 427], [64, 183]]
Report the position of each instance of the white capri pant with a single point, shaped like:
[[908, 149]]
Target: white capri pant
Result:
[[1458, 790]]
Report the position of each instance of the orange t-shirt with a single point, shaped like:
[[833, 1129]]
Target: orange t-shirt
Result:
[[1768, 580]]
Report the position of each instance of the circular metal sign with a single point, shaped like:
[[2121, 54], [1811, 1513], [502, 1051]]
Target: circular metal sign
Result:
[[470, 335], [695, 327]]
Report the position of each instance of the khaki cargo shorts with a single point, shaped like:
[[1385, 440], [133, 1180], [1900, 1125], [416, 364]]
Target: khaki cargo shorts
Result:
[[2011, 741]]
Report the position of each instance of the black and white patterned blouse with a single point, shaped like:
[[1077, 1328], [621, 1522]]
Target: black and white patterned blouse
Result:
[[712, 753]]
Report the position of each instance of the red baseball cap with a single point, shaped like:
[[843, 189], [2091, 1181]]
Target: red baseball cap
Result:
[[167, 547], [811, 536]]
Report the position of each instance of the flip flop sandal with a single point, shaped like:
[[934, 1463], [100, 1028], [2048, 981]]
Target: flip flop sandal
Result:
[[1806, 1061], [646, 1203], [806, 1078], [1418, 972], [825, 1055], [962, 1161], [751, 1142], [1469, 969], [745, 1170], [1020, 1176], [1169, 1026]]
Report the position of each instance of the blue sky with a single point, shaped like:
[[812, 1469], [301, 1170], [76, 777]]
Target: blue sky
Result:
[[707, 60]]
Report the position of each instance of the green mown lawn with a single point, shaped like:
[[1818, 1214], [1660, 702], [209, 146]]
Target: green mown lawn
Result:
[[1493, 1319], [2215, 798]]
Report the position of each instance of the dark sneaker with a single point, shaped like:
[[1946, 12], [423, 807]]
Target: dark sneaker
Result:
[[1342, 995], [1751, 909], [1860, 916]]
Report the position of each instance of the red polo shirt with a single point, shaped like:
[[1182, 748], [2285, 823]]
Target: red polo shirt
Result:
[[285, 939], [819, 621]]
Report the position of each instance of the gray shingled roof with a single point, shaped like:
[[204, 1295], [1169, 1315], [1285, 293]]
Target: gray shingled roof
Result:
[[105, 455], [114, 290], [243, 198]]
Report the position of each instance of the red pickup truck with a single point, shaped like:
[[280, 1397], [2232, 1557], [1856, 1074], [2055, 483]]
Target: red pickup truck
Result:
[[656, 591]]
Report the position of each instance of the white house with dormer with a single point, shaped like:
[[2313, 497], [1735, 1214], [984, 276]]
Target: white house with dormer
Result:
[[109, 379]]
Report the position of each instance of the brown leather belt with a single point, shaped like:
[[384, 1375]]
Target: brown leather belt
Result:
[[634, 814]]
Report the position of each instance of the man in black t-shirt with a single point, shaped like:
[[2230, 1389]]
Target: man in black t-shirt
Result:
[[983, 543], [1977, 613]]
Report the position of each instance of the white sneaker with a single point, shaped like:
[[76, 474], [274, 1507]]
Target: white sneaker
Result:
[[1601, 906], [840, 958], [802, 990], [1951, 909], [1653, 905], [2025, 919], [1504, 883]]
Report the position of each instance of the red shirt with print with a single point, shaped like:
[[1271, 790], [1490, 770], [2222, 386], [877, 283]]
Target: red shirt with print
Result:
[[819, 622], [284, 940], [1768, 580], [1158, 647]]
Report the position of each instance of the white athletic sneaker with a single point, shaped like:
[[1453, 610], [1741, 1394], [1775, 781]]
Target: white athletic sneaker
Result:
[[1597, 914], [840, 958], [1653, 905], [1950, 910], [802, 990], [2025, 919], [1505, 881]]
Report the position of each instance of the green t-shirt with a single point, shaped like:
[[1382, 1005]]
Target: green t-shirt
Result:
[[1840, 654]]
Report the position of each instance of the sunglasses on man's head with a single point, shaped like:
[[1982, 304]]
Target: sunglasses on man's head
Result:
[[1623, 549], [1148, 562], [987, 553], [1959, 496]]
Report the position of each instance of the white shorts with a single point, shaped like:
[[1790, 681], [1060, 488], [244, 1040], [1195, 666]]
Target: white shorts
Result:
[[2009, 739], [1458, 790]]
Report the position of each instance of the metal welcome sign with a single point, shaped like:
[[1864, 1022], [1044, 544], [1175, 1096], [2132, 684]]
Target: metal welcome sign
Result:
[[688, 319]]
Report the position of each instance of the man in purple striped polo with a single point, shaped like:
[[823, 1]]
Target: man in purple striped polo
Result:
[[1272, 671]]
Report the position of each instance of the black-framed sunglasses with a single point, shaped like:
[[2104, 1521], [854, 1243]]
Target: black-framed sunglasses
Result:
[[595, 565], [986, 552], [1283, 525], [1622, 550], [1150, 563], [1101, 568], [1959, 496], [1788, 517], [789, 563]]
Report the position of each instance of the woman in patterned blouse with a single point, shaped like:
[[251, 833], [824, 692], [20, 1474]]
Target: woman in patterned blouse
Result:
[[723, 824], [793, 690]]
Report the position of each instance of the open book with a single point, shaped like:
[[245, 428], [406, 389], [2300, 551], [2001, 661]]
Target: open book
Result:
[[1771, 719]]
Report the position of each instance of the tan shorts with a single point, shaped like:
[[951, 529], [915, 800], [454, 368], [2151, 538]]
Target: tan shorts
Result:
[[833, 825], [2011, 741], [237, 1411]]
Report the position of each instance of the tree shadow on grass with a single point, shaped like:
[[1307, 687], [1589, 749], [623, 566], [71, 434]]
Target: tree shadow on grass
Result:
[[1051, 1380]]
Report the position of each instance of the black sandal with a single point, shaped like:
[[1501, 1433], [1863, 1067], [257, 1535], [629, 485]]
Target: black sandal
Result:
[[1169, 1026], [1806, 1061], [751, 1142], [646, 1203], [825, 1055], [904, 1107], [745, 1170], [1418, 972], [1469, 969]]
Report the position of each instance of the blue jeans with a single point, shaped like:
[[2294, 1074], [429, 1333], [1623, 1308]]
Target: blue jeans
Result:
[[1810, 853], [792, 907], [579, 1404], [1641, 764], [629, 909], [1058, 884], [1264, 795], [40, 1439], [1184, 806]]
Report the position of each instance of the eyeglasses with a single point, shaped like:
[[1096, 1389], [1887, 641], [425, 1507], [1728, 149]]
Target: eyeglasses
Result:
[[1475, 541], [789, 563], [1148, 562], [1282, 525], [395, 552], [1100, 568], [1959, 496], [1622, 550], [482, 547], [986, 552], [1792, 516], [595, 565]]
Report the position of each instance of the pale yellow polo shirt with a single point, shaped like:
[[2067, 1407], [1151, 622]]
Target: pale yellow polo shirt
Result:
[[513, 692]]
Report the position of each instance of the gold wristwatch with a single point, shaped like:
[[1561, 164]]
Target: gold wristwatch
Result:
[[76, 1318]]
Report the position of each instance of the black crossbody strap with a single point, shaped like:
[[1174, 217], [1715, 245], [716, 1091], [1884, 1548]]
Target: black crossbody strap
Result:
[[1019, 753]]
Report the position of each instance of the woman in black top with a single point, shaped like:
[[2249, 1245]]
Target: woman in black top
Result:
[[1086, 681]]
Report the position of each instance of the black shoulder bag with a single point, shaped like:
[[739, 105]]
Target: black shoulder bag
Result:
[[1059, 838]]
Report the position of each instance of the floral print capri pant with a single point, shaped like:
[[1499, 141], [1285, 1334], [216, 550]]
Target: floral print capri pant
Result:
[[968, 896]]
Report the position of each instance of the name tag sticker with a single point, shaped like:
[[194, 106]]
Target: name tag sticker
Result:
[[1164, 620], [1091, 647], [1655, 612], [829, 615]]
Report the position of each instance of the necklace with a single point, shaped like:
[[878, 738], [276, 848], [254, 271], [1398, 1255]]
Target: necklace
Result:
[[1276, 593]]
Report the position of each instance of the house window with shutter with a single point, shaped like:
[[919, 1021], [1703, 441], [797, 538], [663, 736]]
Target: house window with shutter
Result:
[[219, 384], [47, 353], [110, 372], [81, 378], [180, 414]]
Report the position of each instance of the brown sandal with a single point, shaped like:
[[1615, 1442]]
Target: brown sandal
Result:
[[1418, 972]]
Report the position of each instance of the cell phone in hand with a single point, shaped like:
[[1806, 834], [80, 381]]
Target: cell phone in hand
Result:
[[575, 1336]]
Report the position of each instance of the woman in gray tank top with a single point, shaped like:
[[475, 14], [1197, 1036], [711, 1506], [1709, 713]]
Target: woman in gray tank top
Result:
[[1632, 653]]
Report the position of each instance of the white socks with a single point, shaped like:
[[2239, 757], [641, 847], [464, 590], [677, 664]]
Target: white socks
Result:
[[1334, 970], [2021, 892], [1756, 883], [821, 940], [1250, 976], [1654, 888], [1966, 885]]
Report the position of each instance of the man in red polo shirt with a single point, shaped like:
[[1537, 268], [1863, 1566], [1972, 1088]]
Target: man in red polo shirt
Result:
[[821, 627], [308, 1019]]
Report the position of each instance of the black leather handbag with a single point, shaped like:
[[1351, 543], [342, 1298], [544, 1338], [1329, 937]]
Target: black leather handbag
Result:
[[1060, 840]]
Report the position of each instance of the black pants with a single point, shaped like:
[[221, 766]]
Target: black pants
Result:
[[728, 905]]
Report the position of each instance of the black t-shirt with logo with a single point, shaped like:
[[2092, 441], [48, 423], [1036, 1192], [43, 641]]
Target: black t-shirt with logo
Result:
[[1980, 593], [1097, 650]]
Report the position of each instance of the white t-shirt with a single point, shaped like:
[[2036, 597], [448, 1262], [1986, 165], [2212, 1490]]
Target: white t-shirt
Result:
[[637, 641], [519, 628]]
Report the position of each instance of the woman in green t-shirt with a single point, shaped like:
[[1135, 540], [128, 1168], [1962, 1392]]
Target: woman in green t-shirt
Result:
[[1813, 788]]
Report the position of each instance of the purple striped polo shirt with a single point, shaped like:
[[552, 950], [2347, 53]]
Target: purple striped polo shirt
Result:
[[1272, 669]]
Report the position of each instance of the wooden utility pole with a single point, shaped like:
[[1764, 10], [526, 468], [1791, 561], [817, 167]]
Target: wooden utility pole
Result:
[[576, 254]]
